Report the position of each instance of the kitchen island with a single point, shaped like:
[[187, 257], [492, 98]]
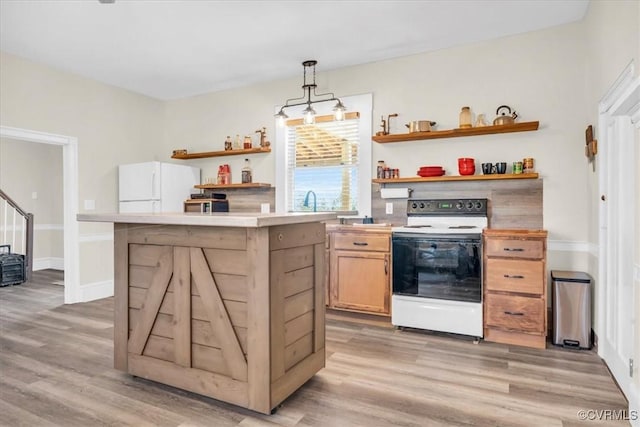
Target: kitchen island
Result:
[[227, 305]]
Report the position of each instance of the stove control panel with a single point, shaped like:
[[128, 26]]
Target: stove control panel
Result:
[[448, 207]]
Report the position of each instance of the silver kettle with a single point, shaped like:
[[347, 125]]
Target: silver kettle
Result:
[[505, 116]]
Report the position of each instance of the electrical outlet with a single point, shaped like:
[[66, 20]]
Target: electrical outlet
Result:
[[389, 208]]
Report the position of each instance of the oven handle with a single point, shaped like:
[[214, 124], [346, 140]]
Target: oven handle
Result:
[[433, 236]]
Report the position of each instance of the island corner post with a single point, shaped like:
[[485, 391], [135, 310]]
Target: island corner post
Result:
[[233, 313]]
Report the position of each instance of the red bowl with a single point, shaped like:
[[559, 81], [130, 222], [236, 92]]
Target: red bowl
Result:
[[466, 160], [425, 174]]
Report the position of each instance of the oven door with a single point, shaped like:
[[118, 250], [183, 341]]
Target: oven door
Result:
[[440, 266]]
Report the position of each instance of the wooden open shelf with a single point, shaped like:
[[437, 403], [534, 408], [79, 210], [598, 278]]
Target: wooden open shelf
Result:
[[204, 155], [219, 186], [458, 178], [455, 133]]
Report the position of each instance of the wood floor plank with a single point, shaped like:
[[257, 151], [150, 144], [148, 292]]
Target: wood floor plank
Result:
[[57, 370]]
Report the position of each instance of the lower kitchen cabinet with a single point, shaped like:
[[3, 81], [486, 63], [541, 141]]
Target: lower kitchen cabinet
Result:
[[360, 271], [515, 287]]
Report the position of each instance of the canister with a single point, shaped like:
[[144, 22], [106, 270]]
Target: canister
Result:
[[527, 165], [517, 168]]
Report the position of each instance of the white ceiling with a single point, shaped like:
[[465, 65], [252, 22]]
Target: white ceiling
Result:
[[171, 49]]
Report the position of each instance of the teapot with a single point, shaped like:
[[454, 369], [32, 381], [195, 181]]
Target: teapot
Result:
[[505, 116]]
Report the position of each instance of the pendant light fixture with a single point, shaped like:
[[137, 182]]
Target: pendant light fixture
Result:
[[309, 114]]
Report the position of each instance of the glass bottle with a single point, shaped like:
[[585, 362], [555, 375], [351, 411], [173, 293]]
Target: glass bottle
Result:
[[237, 145], [381, 166], [465, 118], [247, 174], [228, 144]]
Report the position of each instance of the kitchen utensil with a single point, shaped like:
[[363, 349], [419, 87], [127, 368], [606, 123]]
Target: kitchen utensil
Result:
[[527, 165], [488, 168], [517, 168], [420, 126], [501, 167], [430, 173], [505, 116], [465, 118], [466, 166]]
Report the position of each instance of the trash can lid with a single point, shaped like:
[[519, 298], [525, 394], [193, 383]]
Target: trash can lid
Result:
[[570, 276]]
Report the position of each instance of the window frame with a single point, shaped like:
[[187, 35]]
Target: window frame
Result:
[[360, 103]]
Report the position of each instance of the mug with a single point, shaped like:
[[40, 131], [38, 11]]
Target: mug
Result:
[[501, 167], [517, 168], [488, 168], [527, 165]]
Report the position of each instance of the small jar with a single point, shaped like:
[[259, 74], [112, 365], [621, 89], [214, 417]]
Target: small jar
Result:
[[228, 144], [387, 173], [247, 143], [395, 173], [381, 167], [527, 165], [465, 118]]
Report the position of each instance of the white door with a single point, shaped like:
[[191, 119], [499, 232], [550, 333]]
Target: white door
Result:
[[618, 190]]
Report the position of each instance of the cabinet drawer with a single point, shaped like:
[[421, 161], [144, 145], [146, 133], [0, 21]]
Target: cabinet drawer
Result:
[[515, 312], [362, 242], [515, 276], [514, 248]]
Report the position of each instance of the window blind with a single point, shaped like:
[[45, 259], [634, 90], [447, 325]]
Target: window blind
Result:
[[323, 158]]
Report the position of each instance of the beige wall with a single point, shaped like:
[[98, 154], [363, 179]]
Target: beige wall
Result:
[[113, 126], [540, 74], [27, 168]]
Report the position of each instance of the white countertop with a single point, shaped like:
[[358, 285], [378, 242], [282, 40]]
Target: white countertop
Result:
[[216, 219]]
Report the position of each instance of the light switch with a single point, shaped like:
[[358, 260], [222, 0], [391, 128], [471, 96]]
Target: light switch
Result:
[[34, 195], [389, 208], [89, 205]]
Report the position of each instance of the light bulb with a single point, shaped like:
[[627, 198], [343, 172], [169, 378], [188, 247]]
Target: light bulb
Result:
[[309, 115], [338, 111], [281, 117]]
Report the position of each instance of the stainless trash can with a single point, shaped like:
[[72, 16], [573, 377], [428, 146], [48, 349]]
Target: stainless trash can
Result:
[[571, 307]]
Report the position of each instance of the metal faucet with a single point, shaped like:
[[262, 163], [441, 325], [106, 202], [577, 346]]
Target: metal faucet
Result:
[[306, 200]]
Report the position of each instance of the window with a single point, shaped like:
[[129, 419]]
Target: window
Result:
[[327, 164]]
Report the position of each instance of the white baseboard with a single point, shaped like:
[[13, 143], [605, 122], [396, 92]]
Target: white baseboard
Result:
[[96, 290], [48, 262], [634, 405]]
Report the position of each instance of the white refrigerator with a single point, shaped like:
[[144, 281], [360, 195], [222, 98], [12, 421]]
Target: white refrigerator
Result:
[[154, 187]]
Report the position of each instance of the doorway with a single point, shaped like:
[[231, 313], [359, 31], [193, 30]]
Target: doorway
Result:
[[70, 194], [619, 120]]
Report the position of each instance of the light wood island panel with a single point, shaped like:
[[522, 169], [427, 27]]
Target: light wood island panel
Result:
[[235, 313]]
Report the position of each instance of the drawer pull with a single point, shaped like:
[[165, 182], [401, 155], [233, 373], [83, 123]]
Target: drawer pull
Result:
[[514, 313], [513, 250], [361, 243], [513, 276]]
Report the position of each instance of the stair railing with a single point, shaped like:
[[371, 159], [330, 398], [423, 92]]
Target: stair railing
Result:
[[26, 227]]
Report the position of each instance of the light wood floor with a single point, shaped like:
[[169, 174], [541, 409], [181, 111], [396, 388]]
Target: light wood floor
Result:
[[56, 369]]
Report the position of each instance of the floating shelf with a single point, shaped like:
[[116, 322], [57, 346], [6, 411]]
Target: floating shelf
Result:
[[228, 186], [189, 156], [458, 178], [455, 133]]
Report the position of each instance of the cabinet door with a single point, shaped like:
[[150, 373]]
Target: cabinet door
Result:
[[360, 281]]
